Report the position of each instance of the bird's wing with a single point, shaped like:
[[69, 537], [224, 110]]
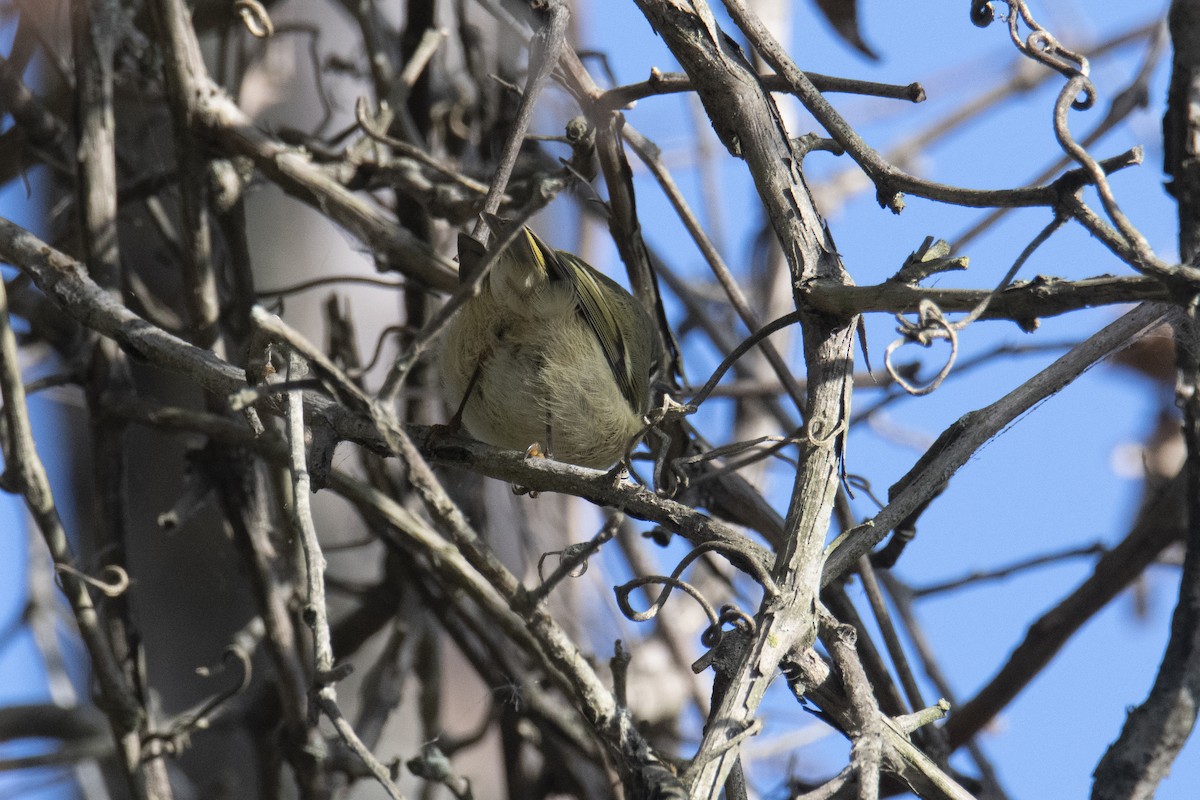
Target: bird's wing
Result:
[[601, 318]]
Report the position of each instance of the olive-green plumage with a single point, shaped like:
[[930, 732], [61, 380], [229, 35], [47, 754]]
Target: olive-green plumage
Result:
[[555, 354]]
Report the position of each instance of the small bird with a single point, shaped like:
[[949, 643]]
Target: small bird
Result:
[[550, 357]]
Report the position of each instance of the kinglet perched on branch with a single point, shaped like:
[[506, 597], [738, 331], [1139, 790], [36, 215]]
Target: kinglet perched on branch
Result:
[[550, 356]]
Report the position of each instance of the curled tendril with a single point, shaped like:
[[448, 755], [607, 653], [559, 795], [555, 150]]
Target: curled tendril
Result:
[[1081, 91], [115, 586], [735, 557], [574, 555], [817, 437], [1135, 240], [255, 18], [1088, 98], [668, 583], [1041, 41], [931, 324], [573, 559], [673, 581], [1040, 45], [1044, 48], [711, 636], [729, 615], [176, 737]]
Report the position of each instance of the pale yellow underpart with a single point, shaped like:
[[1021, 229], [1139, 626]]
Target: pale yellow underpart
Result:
[[544, 378]]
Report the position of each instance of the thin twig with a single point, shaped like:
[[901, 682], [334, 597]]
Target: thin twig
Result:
[[999, 573], [674, 82], [315, 611]]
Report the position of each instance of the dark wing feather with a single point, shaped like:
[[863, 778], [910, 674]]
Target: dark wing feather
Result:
[[596, 294]]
